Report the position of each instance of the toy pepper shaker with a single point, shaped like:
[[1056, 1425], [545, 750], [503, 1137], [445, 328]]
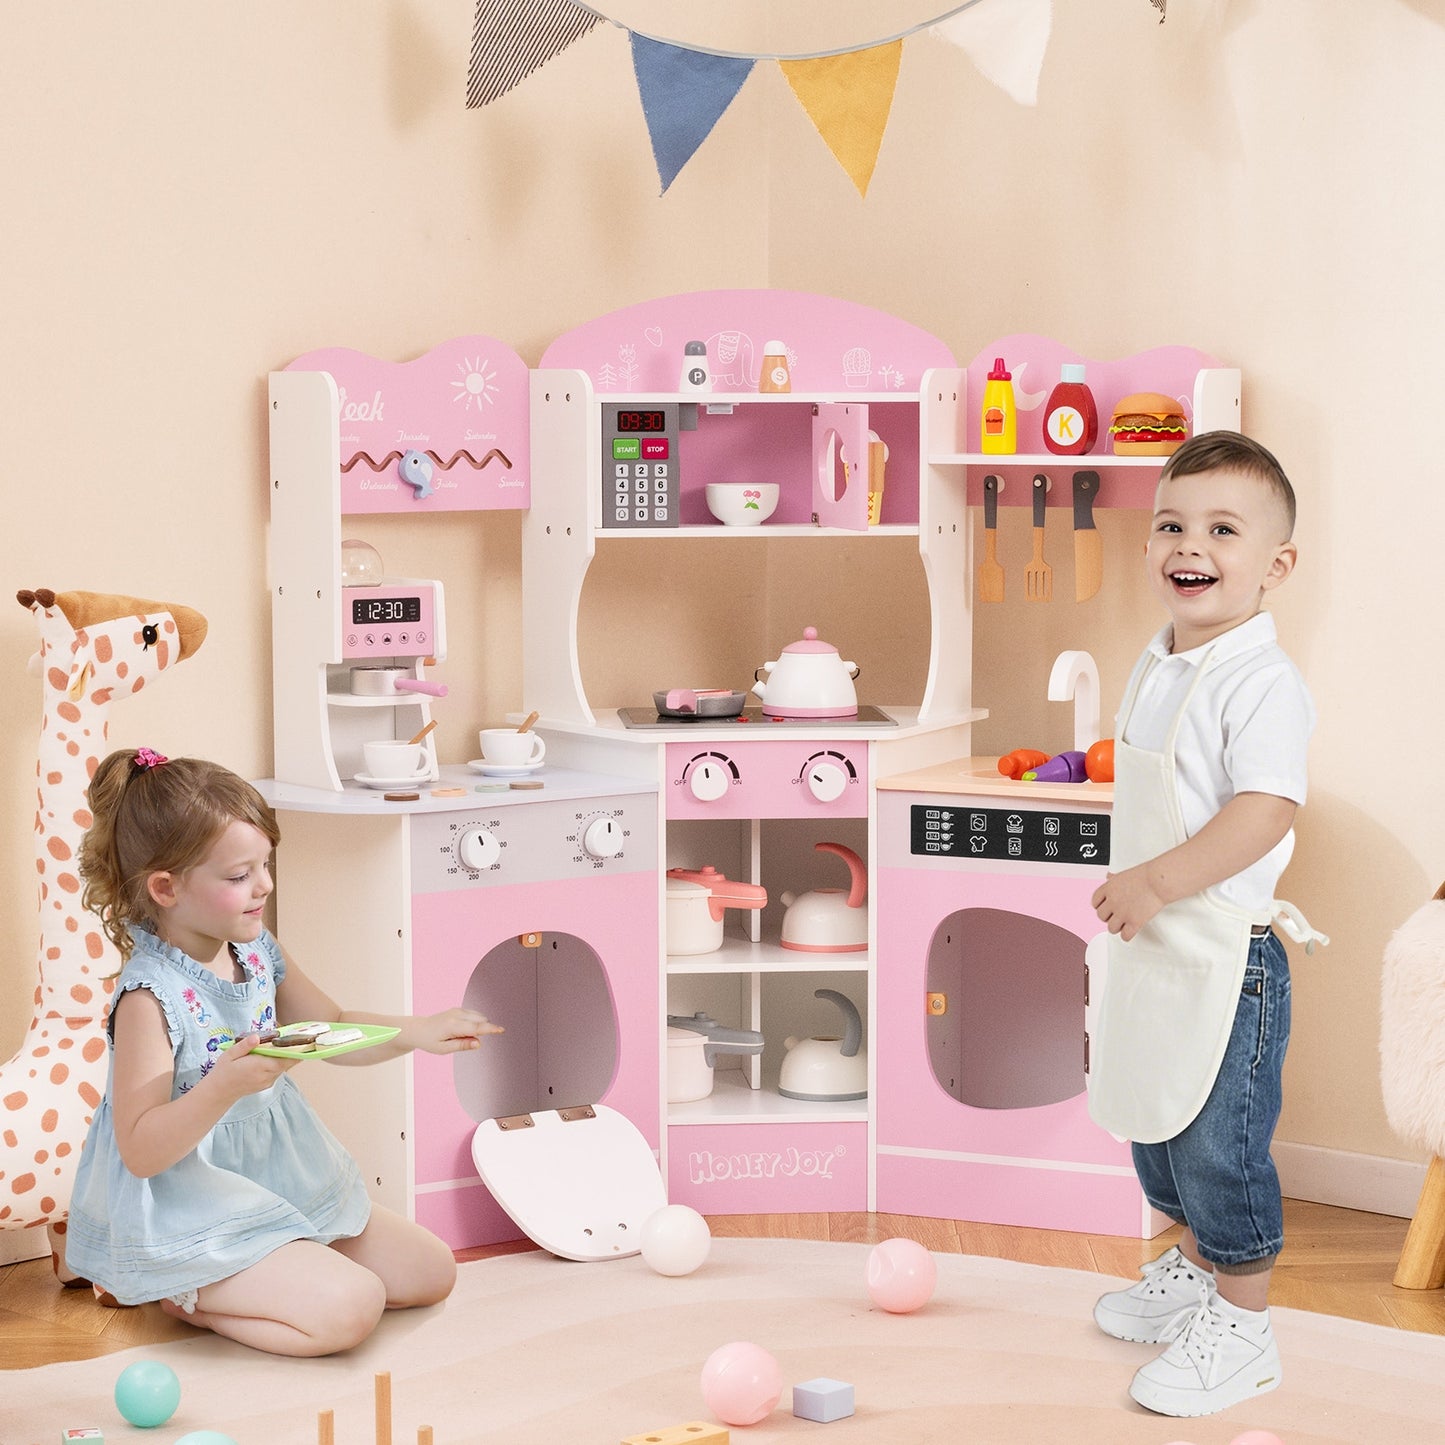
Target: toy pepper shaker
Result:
[[695, 375]]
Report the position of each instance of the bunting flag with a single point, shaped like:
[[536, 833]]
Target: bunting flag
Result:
[[684, 93], [512, 38], [1005, 42], [848, 98], [684, 89]]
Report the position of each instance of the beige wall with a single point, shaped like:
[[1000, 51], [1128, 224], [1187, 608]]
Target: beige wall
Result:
[[196, 194]]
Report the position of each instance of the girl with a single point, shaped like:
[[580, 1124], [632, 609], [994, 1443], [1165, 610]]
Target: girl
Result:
[[207, 1181]]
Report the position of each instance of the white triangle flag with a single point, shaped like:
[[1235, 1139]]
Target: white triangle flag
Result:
[[1006, 40]]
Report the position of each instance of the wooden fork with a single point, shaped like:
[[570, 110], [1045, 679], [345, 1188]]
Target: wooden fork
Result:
[[1038, 575]]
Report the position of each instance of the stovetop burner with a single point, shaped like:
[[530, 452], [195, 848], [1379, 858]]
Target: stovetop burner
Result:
[[755, 718]]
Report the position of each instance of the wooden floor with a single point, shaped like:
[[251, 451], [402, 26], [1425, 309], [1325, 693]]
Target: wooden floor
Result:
[[1336, 1261]]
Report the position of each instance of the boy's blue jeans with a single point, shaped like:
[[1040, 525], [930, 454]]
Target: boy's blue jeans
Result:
[[1217, 1176]]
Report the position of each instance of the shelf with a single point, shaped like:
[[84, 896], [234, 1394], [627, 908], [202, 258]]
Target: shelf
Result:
[[1042, 461], [346, 699], [717, 531], [732, 1101], [742, 955], [841, 397]]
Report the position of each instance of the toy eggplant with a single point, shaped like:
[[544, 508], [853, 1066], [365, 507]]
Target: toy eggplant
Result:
[[1061, 768]]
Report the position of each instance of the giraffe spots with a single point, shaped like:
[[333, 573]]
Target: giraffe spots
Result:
[[22, 1184], [73, 749], [69, 882], [140, 682], [49, 1120], [68, 711], [91, 1095], [94, 945], [82, 818], [59, 1074], [11, 1141], [92, 1049], [103, 647], [72, 925], [58, 848], [102, 695], [64, 1150], [58, 678], [54, 780], [81, 993], [16, 1101]]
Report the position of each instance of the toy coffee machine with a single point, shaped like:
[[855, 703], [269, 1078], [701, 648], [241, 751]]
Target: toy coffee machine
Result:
[[365, 681]]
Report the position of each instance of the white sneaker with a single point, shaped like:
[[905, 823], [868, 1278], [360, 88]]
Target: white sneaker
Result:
[[1156, 1309], [1220, 1358]]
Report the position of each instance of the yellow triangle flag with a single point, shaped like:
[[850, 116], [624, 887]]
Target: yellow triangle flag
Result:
[[848, 98]]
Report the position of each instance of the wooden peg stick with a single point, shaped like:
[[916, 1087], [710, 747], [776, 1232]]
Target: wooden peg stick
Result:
[[423, 1435], [325, 1428], [383, 1409]]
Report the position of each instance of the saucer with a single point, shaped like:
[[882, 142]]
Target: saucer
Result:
[[367, 781], [498, 770]]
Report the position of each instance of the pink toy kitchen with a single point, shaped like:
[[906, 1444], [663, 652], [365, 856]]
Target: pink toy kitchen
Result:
[[762, 942]]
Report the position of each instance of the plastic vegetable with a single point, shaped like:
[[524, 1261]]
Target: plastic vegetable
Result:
[[1099, 761], [1061, 768], [1017, 763]]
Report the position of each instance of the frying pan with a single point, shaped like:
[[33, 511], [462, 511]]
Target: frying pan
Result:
[[687, 702]]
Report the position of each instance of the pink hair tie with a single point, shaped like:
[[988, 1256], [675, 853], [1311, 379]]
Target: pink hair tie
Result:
[[145, 759]]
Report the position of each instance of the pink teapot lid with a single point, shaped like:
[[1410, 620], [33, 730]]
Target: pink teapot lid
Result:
[[810, 643]]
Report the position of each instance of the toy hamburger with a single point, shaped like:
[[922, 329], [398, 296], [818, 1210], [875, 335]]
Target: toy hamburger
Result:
[[1148, 424]]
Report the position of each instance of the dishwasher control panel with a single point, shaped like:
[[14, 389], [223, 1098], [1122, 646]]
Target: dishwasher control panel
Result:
[[1010, 835]]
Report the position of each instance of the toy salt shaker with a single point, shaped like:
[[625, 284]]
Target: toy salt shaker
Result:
[[776, 376]]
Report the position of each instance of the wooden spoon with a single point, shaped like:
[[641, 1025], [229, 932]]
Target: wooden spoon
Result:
[[423, 732], [531, 718]]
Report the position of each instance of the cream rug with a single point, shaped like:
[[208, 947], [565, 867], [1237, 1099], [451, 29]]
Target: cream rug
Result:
[[533, 1350]]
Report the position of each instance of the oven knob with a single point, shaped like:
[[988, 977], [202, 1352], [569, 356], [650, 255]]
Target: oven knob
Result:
[[826, 780], [602, 838], [709, 780], [478, 849]]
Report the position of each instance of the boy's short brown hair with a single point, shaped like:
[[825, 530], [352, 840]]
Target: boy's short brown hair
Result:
[[1233, 451]]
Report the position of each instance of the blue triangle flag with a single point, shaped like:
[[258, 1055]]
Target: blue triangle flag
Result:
[[684, 93]]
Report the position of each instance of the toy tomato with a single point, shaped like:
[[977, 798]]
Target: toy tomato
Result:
[[1099, 761]]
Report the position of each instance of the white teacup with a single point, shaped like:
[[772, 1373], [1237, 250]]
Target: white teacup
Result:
[[392, 759], [508, 748]]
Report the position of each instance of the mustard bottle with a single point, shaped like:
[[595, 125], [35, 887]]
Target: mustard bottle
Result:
[[998, 429]]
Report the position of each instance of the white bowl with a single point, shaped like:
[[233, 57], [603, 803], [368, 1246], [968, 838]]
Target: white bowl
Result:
[[742, 504]]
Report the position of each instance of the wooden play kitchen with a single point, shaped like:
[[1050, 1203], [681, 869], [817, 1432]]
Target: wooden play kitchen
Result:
[[774, 793]]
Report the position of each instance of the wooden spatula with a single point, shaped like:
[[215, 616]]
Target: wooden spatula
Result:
[[990, 570], [1038, 575]]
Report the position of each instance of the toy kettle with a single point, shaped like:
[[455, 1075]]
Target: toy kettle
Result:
[[829, 920]]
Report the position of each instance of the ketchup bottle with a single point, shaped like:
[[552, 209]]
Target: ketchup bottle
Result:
[[1071, 420]]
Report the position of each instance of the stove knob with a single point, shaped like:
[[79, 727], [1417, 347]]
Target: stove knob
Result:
[[709, 781], [478, 849], [602, 838], [826, 780]]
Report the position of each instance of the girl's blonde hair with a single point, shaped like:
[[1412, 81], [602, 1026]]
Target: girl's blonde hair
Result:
[[156, 817]]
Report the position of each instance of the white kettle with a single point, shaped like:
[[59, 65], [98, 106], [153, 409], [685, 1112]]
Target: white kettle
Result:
[[831, 1068], [829, 920]]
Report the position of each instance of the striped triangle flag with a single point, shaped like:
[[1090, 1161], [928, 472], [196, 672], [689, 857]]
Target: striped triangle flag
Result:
[[848, 98], [512, 38], [683, 93]]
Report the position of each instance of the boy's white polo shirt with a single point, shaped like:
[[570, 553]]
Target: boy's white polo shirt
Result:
[[1246, 730]]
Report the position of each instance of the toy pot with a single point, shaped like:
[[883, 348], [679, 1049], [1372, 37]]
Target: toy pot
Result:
[[373, 681], [827, 1068], [693, 1044], [809, 679], [696, 899], [829, 920]]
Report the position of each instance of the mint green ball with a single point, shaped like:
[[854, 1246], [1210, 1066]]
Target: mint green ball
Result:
[[147, 1393]]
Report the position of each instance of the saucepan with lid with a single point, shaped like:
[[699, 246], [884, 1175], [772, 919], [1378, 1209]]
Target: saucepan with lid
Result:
[[378, 680]]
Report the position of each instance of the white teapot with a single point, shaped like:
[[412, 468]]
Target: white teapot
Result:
[[810, 679]]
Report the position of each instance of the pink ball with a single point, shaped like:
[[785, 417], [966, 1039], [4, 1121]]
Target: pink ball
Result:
[[1257, 1437], [741, 1383], [901, 1275]]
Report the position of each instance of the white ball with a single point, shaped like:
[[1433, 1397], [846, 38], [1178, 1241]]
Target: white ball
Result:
[[675, 1239]]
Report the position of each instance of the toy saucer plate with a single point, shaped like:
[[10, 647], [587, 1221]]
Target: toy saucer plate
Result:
[[497, 770], [374, 1034], [367, 781]]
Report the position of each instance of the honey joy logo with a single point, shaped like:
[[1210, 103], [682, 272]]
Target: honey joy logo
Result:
[[705, 1167]]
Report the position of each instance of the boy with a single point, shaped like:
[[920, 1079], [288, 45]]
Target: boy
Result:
[[1194, 1016]]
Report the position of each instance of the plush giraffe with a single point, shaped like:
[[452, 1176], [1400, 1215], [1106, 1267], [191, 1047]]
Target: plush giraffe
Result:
[[94, 648]]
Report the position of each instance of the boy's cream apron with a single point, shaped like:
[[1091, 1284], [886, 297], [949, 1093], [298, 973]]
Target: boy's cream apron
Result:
[[1170, 994]]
